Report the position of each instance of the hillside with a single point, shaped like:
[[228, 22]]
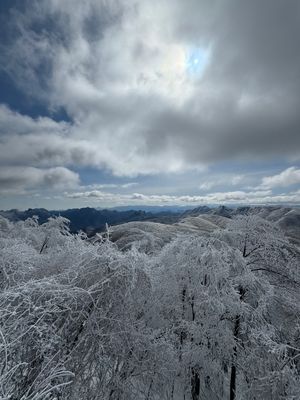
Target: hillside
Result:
[[202, 221]]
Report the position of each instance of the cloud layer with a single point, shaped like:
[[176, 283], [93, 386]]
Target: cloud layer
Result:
[[152, 87], [120, 69], [236, 197]]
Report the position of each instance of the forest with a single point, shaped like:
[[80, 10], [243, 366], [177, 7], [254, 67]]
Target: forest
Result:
[[205, 317]]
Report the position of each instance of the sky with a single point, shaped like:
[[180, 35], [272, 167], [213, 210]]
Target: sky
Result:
[[161, 102]]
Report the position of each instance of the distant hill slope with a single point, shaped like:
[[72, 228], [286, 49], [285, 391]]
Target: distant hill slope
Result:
[[151, 237], [287, 218]]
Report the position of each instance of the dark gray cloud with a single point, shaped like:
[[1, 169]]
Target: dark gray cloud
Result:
[[16, 180]]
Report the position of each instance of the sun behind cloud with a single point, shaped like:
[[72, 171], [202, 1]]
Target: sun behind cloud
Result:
[[197, 60], [176, 70]]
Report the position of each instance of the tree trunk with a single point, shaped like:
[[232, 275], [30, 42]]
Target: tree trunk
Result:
[[232, 382], [236, 333], [195, 385], [233, 367]]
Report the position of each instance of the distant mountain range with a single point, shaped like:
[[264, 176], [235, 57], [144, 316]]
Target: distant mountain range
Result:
[[155, 209], [93, 220]]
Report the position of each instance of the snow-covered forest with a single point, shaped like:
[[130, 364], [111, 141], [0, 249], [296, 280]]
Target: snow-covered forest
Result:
[[205, 316]]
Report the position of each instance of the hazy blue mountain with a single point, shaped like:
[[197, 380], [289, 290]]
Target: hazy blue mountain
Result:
[[156, 209], [92, 220]]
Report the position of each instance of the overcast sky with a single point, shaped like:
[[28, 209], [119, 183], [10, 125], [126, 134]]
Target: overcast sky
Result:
[[106, 102]]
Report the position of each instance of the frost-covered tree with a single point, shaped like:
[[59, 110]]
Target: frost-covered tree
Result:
[[275, 261], [71, 315], [202, 318], [213, 307]]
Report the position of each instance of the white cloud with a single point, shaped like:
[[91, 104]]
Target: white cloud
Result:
[[235, 180], [14, 123], [42, 142], [100, 186], [14, 180], [235, 197], [288, 177], [232, 180]]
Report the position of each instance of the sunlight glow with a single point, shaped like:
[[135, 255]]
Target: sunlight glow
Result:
[[197, 59], [187, 61], [173, 72]]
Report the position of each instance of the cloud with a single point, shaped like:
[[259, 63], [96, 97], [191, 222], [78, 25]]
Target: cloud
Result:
[[43, 142], [232, 180], [288, 177], [235, 197], [17, 180], [14, 123], [100, 186], [120, 70]]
